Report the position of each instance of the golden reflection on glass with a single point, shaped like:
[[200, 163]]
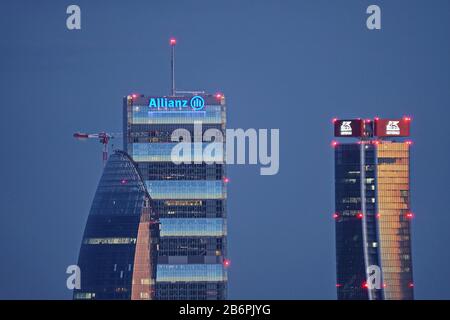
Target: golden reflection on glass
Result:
[[142, 287], [394, 229]]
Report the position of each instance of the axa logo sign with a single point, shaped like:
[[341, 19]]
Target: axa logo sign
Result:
[[196, 103], [346, 128], [392, 128]]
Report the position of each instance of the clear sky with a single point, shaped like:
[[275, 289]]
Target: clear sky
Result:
[[292, 65]]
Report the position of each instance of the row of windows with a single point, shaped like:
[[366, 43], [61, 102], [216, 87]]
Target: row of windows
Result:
[[188, 227], [395, 269], [142, 116], [384, 168], [190, 273], [393, 161], [392, 187], [172, 171], [187, 152], [392, 199], [392, 180], [393, 174], [404, 246], [190, 208], [393, 193], [395, 256], [163, 133], [387, 205], [109, 241], [190, 291], [191, 189], [191, 246]]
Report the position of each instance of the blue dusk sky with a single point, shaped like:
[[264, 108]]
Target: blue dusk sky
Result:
[[292, 65]]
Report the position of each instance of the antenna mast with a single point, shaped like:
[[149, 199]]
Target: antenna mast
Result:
[[173, 42]]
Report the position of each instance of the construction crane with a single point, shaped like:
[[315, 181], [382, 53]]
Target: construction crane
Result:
[[103, 138]]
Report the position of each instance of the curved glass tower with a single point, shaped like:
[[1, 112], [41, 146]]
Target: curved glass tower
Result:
[[119, 244]]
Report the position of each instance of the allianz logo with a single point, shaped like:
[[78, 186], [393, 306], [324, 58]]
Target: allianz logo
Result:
[[196, 103]]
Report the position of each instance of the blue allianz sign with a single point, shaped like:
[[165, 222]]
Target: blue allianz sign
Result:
[[196, 103]]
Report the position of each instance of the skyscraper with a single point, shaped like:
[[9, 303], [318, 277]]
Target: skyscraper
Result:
[[189, 198], [372, 210], [117, 258]]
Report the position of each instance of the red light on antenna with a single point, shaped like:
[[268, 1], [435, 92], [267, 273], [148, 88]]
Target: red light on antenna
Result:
[[409, 215], [359, 215], [173, 41], [334, 144], [226, 263]]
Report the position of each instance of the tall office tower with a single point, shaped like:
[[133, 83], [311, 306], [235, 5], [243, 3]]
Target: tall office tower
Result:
[[372, 210], [190, 198], [118, 252]]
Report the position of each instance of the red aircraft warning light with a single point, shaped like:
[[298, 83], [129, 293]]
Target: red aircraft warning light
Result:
[[359, 215], [334, 144], [173, 41], [410, 215], [406, 118], [226, 263]]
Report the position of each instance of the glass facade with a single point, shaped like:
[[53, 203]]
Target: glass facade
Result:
[[189, 198], [118, 253], [350, 255], [372, 228], [395, 219]]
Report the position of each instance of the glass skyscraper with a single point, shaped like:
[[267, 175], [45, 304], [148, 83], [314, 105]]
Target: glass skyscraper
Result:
[[373, 217], [189, 198], [117, 258]]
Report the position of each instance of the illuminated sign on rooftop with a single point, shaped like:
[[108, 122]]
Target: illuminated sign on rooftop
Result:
[[392, 127], [348, 128], [196, 102]]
